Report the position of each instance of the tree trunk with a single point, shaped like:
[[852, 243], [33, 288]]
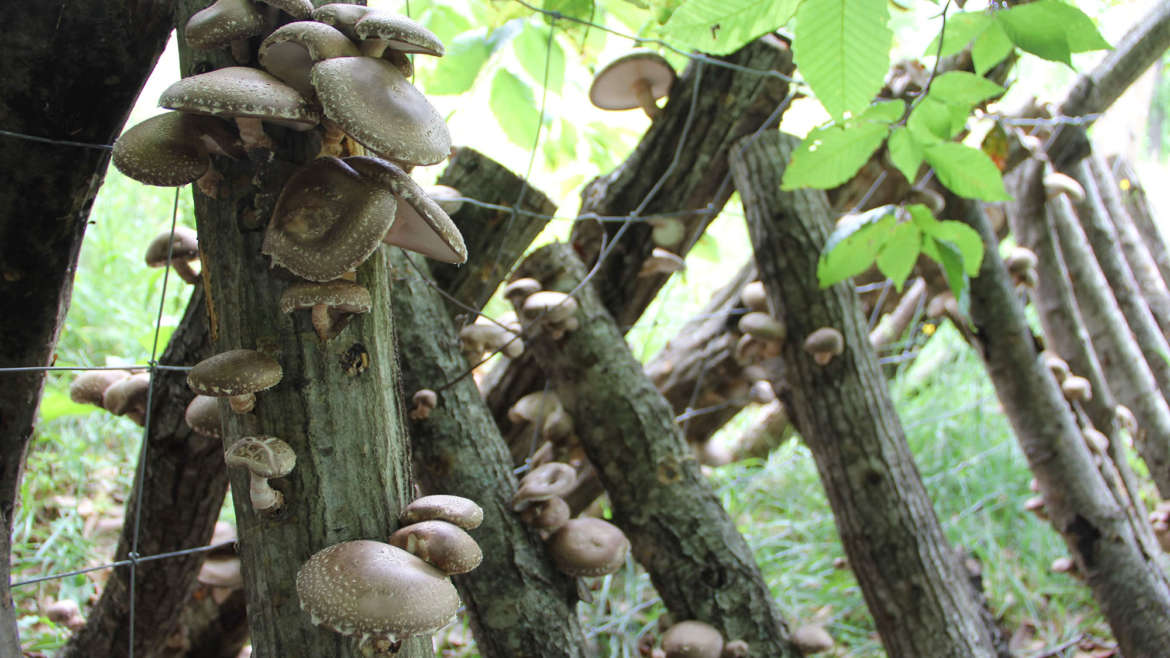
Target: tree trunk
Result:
[[679, 532], [1142, 214], [519, 604], [1126, 581], [183, 484], [911, 578], [49, 188], [338, 405]]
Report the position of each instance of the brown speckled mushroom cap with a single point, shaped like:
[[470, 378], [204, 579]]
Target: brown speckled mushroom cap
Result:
[[374, 103], [367, 588], [327, 221], [241, 91], [341, 16], [586, 546], [824, 344], [519, 290], [692, 639], [88, 387], [458, 510], [264, 456], [762, 326], [339, 294], [203, 417], [186, 247], [547, 516], [235, 372], [290, 52], [172, 149], [223, 22], [445, 546], [544, 482], [298, 9], [398, 32], [613, 86], [127, 394], [549, 305], [420, 224]]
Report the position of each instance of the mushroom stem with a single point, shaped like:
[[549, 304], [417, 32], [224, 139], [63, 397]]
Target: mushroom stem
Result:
[[252, 133], [209, 183], [641, 87], [264, 497], [374, 47], [183, 269], [242, 404], [331, 141], [323, 322]]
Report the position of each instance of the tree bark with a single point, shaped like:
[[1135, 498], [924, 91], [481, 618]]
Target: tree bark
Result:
[[1126, 581], [679, 532], [519, 604], [912, 579], [1142, 214], [183, 484], [49, 188], [680, 164], [338, 405]]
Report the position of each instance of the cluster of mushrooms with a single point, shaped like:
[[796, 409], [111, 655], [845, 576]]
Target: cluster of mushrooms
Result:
[[761, 336]]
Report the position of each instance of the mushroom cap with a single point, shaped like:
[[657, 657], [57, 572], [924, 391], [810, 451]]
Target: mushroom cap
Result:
[[89, 386], [368, 588], [222, 571], [534, 407], [327, 221], [235, 372], [127, 394], [291, 50], [420, 224], [186, 247], [586, 546], [812, 638], [1077, 388], [692, 639], [825, 340], [399, 32], [613, 86], [171, 149], [1020, 260], [457, 510], [547, 516], [662, 261], [445, 546], [546, 481], [762, 325], [448, 198], [203, 417], [223, 22], [339, 295], [519, 290], [1056, 183], [298, 9], [241, 91], [372, 101], [755, 296], [264, 456], [550, 305], [1056, 365], [341, 16]]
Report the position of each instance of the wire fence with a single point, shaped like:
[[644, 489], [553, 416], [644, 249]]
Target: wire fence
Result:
[[902, 351]]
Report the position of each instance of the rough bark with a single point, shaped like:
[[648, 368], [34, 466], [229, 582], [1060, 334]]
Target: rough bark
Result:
[[1126, 582], [1095, 91], [495, 238], [1066, 335], [680, 165], [183, 484], [1142, 214], [338, 405], [697, 560], [519, 604], [911, 578], [208, 629], [49, 188]]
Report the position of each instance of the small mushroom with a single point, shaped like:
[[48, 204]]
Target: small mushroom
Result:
[[553, 479], [222, 575], [463, 512], [237, 375], [127, 397], [448, 198], [546, 516], [1097, 441], [383, 30], [333, 303], [1076, 389], [443, 545], [265, 457], [662, 261], [1056, 183], [290, 52], [520, 289], [638, 79], [1035, 505], [183, 248], [67, 613], [823, 344], [666, 231], [89, 386], [341, 16], [424, 400], [692, 639], [175, 148], [812, 638], [1056, 365], [755, 296], [544, 410], [586, 546], [551, 309], [763, 326], [1126, 419], [203, 417], [484, 335], [375, 591], [225, 23]]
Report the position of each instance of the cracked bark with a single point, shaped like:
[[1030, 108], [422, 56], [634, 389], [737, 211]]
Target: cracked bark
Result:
[[697, 560], [912, 579], [1140, 211]]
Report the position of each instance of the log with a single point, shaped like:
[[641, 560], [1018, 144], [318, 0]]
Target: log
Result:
[[1138, 204]]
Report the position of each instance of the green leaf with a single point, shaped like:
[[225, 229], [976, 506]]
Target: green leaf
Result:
[[719, 27], [962, 88], [990, 48], [1034, 31], [55, 404], [961, 29], [932, 121], [515, 108], [965, 239], [1080, 30], [951, 260], [899, 253], [582, 9], [832, 155], [842, 47], [456, 71], [905, 153], [885, 111], [853, 244], [445, 22], [533, 48], [966, 171]]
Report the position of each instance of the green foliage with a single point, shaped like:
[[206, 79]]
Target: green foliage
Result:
[[842, 48], [966, 171], [456, 71], [723, 26], [1049, 29], [514, 106], [534, 46], [831, 155]]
